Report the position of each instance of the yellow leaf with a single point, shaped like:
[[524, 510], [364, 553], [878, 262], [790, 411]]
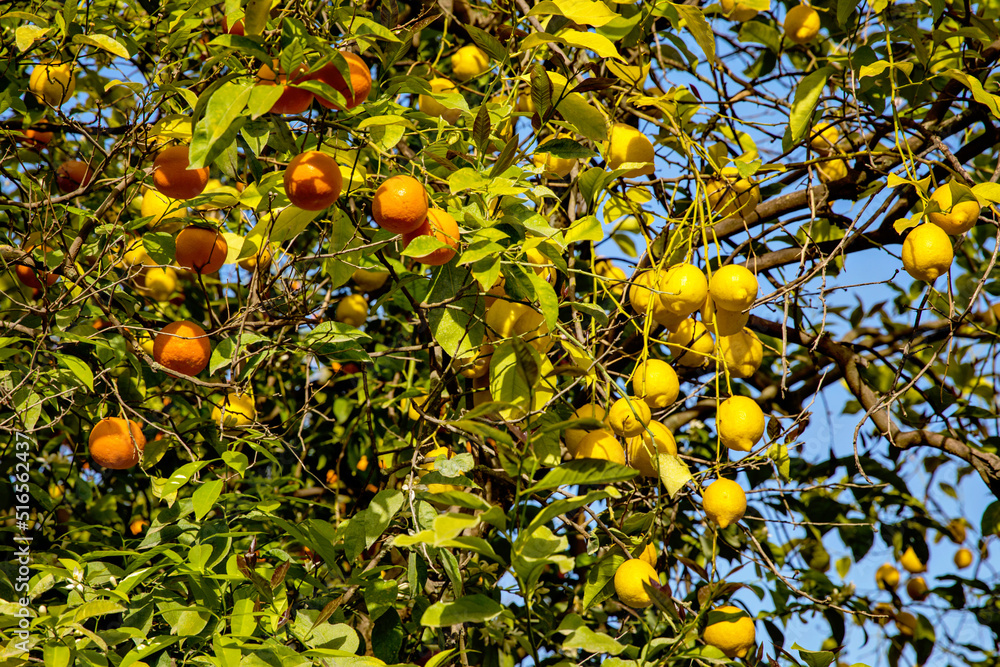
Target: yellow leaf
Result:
[[674, 473], [591, 41]]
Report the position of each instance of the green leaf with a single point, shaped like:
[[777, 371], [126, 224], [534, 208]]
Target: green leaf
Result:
[[513, 372], [584, 471], [986, 193], [160, 247], [80, 369], [204, 497], [814, 658], [218, 127], [587, 228], [807, 94], [588, 121], [674, 473], [249, 47], [541, 89], [990, 523], [422, 246], [592, 642], [380, 512], [458, 327], [565, 148], [488, 43], [599, 585], [470, 609], [698, 27], [844, 10]]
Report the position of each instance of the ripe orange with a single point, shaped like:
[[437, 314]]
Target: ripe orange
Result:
[[361, 81], [201, 250], [443, 226], [400, 204], [313, 181], [137, 526], [36, 138], [182, 347], [32, 278], [293, 99], [116, 443], [72, 174], [173, 178]]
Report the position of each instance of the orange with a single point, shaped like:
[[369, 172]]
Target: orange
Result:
[[72, 175], [137, 526], [201, 250], [116, 443], [293, 99], [173, 178], [361, 82], [36, 138], [441, 225], [32, 277], [313, 181], [182, 347], [400, 204]]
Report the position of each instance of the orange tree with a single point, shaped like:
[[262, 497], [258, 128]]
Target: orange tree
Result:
[[492, 333]]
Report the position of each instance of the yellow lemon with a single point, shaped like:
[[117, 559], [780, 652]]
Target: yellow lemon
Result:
[[642, 449], [52, 83], [683, 289], [906, 623], [690, 343], [627, 144], [542, 265], [501, 317], [723, 322], [801, 24], [436, 454], [600, 445], [655, 382], [741, 353], [911, 562], [261, 258], [917, 589], [740, 423], [640, 293], [831, 171], [887, 577], [369, 281], [432, 107], [161, 208], [135, 255], [475, 363], [731, 631], [552, 165], [954, 219], [629, 416], [235, 410], [353, 310], [469, 61], [161, 283], [731, 196], [533, 330], [733, 288], [573, 436], [963, 559], [927, 252], [724, 502], [824, 138], [614, 276], [737, 11], [629, 579]]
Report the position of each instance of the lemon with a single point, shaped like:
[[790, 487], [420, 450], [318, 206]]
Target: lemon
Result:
[[235, 410], [963, 559], [160, 207], [648, 555], [690, 343], [956, 528], [640, 293], [629, 580], [911, 562], [135, 255], [831, 171], [161, 283], [927, 252], [731, 631], [732, 196], [432, 107], [887, 577], [906, 623], [501, 317], [655, 382], [824, 138], [733, 288], [613, 275], [353, 310], [573, 436], [263, 258], [600, 445], [468, 62], [917, 589], [556, 166], [525, 104], [656, 439], [52, 82], [741, 353], [953, 218], [542, 265], [723, 322], [740, 423], [629, 416], [532, 329], [437, 453], [369, 281], [408, 403], [627, 144], [683, 289], [801, 24], [737, 11], [724, 502], [884, 609], [475, 363], [664, 317]]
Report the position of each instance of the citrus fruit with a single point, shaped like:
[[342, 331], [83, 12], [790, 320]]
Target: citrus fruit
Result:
[[116, 443], [501, 316], [552, 165], [690, 343], [906, 623], [740, 423], [201, 250], [683, 289], [432, 107], [831, 171], [927, 252], [361, 82], [160, 282], [52, 82], [600, 445], [137, 526], [542, 265], [313, 181], [182, 347], [353, 310], [369, 281], [725, 502], [917, 589], [887, 577], [956, 530], [159, 207], [911, 562], [953, 218], [629, 416], [723, 322], [643, 448], [613, 275], [235, 410], [293, 99], [729, 195], [801, 24], [737, 11], [532, 329], [400, 204], [476, 362], [573, 436], [33, 277], [36, 139], [627, 144], [963, 559], [72, 175], [173, 178], [641, 291], [442, 226], [733, 288], [655, 382], [468, 62], [436, 454], [261, 259], [741, 353], [731, 630], [629, 580], [824, 138], [135, 255]]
